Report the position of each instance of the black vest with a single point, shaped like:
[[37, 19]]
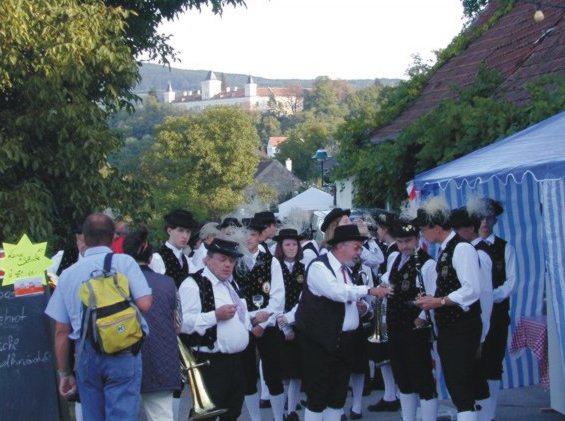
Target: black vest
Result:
[[400, 312], [447, 282], [496, 253], [256, 281], [70, 257], [293, 283], [172, 265], [207, 303], [310, 246], [320, 318]]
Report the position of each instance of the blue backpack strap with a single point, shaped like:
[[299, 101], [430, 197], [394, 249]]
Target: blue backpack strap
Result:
[[108, 262]]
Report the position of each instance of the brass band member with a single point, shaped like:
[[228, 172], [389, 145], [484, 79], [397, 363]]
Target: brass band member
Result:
[[456, 304], [218, 324], [408, 341], [327, 319]]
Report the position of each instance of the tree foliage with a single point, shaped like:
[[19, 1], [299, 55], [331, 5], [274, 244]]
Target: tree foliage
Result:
[[203, 161], [65, 68]]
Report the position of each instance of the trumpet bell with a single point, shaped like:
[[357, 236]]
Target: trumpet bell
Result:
[[202, 405]]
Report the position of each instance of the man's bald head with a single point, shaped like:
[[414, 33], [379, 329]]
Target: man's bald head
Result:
[[98, 230]]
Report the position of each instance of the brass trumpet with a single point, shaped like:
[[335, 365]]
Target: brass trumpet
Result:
[[202, 405], [379, 336]]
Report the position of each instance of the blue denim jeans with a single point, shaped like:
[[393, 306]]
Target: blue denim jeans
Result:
[[109, 385]]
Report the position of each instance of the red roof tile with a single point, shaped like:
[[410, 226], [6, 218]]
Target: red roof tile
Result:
[[509, 47], [276, 140]]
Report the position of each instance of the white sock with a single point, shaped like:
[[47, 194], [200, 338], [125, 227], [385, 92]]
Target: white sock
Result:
[[388, 380], [467, 416], [264, 388], [176, 406], [78, 411], [408, 405], [312, 416], [277, 403], [484, 413], [494, 388], [252, 405], [429, 409], [332, 414], [357, 383], [293, 394]]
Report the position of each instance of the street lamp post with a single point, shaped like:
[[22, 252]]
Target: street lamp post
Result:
[[321, 156]]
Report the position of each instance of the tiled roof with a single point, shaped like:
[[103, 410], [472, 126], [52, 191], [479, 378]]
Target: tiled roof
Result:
[[276, 140], [516, 46]]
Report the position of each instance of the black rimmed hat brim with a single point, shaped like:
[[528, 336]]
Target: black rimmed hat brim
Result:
[[228, 252], [229, 222], [332, 216], [296, 237], [343, 239]]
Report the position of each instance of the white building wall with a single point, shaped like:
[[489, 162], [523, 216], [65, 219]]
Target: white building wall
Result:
[[344, 193], [252, 103]]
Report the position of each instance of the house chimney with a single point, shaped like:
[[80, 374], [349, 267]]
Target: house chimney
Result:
[[235, 88], [228, 89]]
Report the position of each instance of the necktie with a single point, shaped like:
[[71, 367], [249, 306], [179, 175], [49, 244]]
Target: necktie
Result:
[[344, 271], [290, 266], [235, 298], [181, 259]]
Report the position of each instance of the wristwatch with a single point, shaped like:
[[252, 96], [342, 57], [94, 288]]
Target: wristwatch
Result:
[[442, 301]]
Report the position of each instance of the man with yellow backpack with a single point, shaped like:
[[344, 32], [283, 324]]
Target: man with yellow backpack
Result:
[[97, 304]]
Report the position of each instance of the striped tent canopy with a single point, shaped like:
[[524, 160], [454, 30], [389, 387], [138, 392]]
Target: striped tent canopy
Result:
[[526, 173]]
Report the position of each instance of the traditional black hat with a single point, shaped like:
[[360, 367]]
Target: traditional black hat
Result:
[[492, 207], [385, 219], [435, 211], [229, 248], [332, 216], [256, 225], [229, 222], [288, 233], [344, 233], [246, 221], [460, 218], [403, 228], [266, 218], [180, 218]]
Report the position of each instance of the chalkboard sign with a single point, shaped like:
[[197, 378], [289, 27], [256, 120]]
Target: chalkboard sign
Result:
[[28, 384]]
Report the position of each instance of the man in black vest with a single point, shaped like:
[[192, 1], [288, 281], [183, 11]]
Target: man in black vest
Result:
[[218, 324], [411, 273], [327, 318], [169, 259], [503, 258], [269, 222], [456, 304]]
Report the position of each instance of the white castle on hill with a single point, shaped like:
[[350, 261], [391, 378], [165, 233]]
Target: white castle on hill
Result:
[[284, 100]]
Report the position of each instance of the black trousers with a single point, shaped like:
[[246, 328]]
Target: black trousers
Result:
[[250, 369], [291, 364], [270, 351], [361, 353], [494, 346], [412, 363], [225, 381], [457, 346], [325, 374]]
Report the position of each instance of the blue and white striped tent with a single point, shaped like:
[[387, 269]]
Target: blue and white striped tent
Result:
[[526, 173]]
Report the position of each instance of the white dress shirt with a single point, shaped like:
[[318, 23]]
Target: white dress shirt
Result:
[[232, 334], [158, 265], [322, 282], [371, 254], [509, 286], [486, 288], [309, 254], [466, 264], [197, 260]]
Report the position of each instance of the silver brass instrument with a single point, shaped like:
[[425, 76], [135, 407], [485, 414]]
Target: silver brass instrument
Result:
[[422, 288], [202, 405], [379, 335]]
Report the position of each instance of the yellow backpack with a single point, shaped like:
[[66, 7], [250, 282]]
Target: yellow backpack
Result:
[[111, 320]]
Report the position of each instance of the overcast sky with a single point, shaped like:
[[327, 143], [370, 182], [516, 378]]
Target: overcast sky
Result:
[[342, 39]]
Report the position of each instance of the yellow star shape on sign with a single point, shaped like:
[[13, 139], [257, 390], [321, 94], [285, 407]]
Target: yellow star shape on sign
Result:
[[24, 260]]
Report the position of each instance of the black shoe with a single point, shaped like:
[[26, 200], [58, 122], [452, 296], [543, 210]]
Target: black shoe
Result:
[[385, 406], [293, 416], [298, 407], [354, 415], [264, 403]]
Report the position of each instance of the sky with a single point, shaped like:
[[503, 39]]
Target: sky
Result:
[[342, 39]]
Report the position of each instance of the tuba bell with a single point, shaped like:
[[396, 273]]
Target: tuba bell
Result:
[[202, 405]]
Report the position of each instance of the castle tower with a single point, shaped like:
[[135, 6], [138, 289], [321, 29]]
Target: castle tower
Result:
[[211, 87], [250, 87], [169, 96]]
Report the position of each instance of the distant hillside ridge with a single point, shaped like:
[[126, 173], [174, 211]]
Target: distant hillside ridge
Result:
[[157, 76]]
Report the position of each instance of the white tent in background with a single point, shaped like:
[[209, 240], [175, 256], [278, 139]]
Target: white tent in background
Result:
[[309, 200]]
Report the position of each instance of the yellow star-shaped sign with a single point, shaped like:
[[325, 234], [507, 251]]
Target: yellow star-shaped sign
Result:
[[24, 260]]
